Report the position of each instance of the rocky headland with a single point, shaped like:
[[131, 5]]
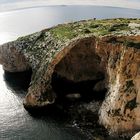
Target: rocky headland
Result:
[[89, 57]]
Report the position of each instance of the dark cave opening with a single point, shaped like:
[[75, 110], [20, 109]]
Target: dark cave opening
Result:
[[68, 90], [76, 107], [78, 73], [18, 79]]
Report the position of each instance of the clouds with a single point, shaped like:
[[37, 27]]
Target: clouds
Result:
[[7, 5]]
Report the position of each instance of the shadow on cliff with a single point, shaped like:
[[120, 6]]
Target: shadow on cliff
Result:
[[18, 83], [20, 80], [69, 91]]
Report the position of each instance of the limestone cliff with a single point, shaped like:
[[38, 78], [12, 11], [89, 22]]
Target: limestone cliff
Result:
[[80, 51]]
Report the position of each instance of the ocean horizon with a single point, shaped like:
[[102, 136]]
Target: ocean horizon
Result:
[[8, 5]]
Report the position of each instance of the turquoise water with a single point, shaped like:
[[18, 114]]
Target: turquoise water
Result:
[[15, 122]]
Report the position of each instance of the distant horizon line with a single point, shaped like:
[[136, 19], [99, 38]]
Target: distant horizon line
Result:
[[24, 8], [6, 7]]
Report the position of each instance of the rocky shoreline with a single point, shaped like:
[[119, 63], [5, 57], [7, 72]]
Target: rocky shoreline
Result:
[[95, 57]]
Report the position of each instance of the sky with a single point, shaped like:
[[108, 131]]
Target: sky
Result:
[[6, 5]]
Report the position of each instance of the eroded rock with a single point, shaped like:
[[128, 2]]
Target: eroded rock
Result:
[[136, 136], [104, 51]]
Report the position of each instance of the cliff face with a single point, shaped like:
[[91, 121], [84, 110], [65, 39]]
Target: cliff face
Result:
[[120, 109], [106, 51]]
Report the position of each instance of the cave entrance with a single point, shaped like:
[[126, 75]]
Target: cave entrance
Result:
[[79, 75], [20, 80]]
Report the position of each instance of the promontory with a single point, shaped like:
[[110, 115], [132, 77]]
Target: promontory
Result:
[[106, 51]]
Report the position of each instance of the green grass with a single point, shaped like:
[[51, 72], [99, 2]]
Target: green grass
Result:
[[95, 27]]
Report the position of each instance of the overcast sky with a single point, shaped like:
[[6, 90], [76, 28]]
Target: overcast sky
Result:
[[16, 4]]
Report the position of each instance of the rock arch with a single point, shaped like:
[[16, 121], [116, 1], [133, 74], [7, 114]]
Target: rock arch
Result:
[[120, 66], [78, 61], [117, 57]]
